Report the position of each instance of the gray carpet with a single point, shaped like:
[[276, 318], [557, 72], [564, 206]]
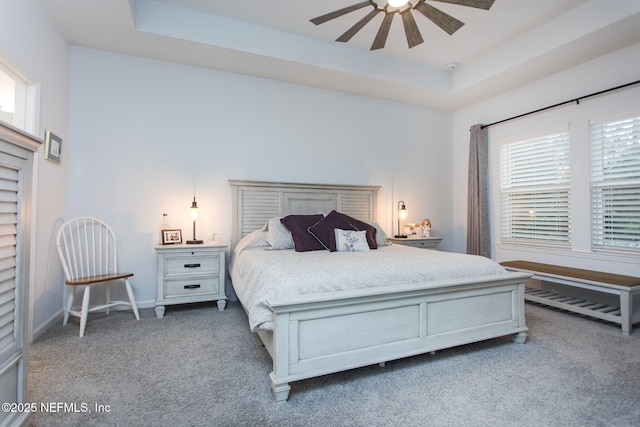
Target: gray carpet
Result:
[[202, 367]]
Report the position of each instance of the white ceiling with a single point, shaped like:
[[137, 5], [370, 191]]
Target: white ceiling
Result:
[[513, 43]]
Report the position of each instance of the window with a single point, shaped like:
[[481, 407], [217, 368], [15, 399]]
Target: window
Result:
[[13, 99], [615, 184], [534, 190], [7, 98]]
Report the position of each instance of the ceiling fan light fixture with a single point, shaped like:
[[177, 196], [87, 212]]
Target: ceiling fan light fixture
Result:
[[404, 8], [397, 3]]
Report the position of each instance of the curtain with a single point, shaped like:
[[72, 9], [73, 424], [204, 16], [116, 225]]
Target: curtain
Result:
[[478, 233]]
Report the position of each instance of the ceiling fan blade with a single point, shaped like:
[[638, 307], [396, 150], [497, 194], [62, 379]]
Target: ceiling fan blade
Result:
[[411, 30], [337, 13], [383, 32], [479, 4], [358, 26], [441, 19]]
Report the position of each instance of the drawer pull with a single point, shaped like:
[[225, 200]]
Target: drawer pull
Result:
[[191, 265], [191, 286]]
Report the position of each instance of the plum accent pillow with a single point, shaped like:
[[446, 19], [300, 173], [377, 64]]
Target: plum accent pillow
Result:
[[351, 241], [278, 237], [323, 229], [298, 225], [381, 236]]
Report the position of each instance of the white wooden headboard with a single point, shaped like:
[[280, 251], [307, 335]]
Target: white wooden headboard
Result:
[[255, 202]]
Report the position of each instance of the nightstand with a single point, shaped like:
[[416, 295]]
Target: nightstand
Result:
[[417, 242], [190, 273]]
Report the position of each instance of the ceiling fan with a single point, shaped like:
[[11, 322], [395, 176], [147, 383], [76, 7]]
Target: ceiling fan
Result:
[[402, 7]]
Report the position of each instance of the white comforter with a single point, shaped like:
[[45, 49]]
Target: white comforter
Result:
[[258, 273]]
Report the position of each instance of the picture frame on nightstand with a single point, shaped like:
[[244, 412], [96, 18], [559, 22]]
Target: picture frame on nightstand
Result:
[[172, 237]]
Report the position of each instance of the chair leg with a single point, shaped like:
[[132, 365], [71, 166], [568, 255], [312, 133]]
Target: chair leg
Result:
[[107, 293], [132, 300], [72, 292], [85, 309]]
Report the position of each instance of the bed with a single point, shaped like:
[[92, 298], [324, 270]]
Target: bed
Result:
[[426, 301]]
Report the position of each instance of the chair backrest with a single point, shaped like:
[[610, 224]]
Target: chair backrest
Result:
[[87, 247]]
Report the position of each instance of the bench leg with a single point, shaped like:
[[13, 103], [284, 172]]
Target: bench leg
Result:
[[626, 311]]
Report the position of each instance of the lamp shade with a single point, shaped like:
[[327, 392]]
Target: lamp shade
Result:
[[402, 215], [194, 217], [403, 212], [194, 209]]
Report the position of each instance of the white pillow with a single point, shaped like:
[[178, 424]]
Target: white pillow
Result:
[[278, 236], [351, 240], [381, 236], [255, 239]]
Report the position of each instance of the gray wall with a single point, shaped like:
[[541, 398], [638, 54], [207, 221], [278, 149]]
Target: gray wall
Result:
[[143, 132], [32, 46]]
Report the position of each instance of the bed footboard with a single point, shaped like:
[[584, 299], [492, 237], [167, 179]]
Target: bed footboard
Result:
[[330, 332]]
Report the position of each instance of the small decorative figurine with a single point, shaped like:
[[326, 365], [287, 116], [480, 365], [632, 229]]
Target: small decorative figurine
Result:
[[426, 227]]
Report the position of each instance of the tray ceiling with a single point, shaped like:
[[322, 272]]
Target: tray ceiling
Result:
[[511, 44]]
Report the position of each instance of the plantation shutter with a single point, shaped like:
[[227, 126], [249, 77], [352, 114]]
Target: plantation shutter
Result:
[[615, 184], [534, 187], [8, 231], [16, 172]]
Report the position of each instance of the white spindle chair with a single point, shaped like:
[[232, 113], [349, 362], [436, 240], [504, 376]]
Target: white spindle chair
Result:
[[89, 255]]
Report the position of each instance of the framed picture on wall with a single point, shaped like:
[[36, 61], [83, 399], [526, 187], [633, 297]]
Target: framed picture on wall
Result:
[[52, 146], [171, 237]]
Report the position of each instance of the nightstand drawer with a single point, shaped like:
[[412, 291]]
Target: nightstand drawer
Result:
[[417, 242], [193, 286], [192, 265]]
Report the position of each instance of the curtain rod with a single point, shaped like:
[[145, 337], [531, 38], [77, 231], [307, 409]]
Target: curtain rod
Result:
[[576, 100]]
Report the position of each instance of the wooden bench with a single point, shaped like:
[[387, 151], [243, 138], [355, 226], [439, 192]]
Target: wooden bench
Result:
[[625, 287]]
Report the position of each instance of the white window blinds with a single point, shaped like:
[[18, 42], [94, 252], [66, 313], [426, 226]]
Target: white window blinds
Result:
[[534, 186], [615, 184]]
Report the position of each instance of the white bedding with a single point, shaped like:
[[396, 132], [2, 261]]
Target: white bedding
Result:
[[259, 273]]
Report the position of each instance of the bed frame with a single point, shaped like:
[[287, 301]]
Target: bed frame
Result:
[[330, 332]]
